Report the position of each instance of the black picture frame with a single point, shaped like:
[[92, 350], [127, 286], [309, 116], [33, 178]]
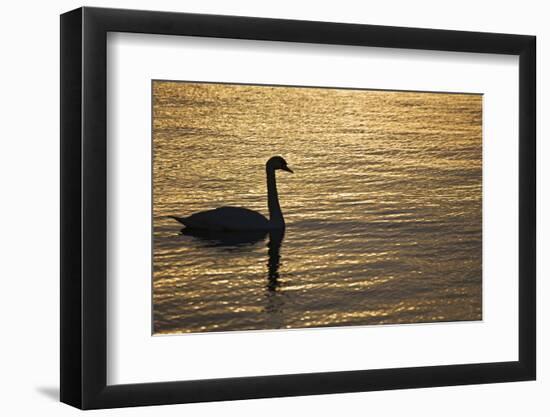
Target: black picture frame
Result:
[[84, 207]]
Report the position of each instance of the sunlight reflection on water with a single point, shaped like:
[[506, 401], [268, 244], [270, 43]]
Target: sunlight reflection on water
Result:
[[383, 212]]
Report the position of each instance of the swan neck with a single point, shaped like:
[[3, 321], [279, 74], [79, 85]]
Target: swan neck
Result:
[[275, 213]]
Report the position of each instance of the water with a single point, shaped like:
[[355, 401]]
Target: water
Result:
[[383, 211]]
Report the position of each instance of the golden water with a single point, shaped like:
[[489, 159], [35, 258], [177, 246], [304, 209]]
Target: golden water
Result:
[[383, 211]]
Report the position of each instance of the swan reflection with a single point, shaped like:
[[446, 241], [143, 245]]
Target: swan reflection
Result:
[[212, 238], [274, 258], [234, 240]]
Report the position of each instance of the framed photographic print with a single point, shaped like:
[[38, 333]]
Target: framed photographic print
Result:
[[257, 208]]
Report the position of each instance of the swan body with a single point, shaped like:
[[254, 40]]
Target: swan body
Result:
[[235, 219], [226, 219]]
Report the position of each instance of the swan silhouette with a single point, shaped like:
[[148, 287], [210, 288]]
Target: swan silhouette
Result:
[[238, 219]]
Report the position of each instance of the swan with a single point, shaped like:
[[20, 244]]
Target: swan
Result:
[[235, 219]]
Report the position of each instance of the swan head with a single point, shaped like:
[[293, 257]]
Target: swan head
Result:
[[277, 162]]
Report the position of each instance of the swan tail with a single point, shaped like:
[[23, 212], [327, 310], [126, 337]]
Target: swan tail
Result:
[[181, 220]]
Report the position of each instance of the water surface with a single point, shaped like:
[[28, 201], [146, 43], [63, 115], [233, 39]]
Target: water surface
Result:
[[383, 211]]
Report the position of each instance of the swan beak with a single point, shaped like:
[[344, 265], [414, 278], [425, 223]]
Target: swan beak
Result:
[[287, 169]]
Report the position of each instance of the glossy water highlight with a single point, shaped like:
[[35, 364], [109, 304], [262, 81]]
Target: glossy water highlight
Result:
[[383, 214]]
